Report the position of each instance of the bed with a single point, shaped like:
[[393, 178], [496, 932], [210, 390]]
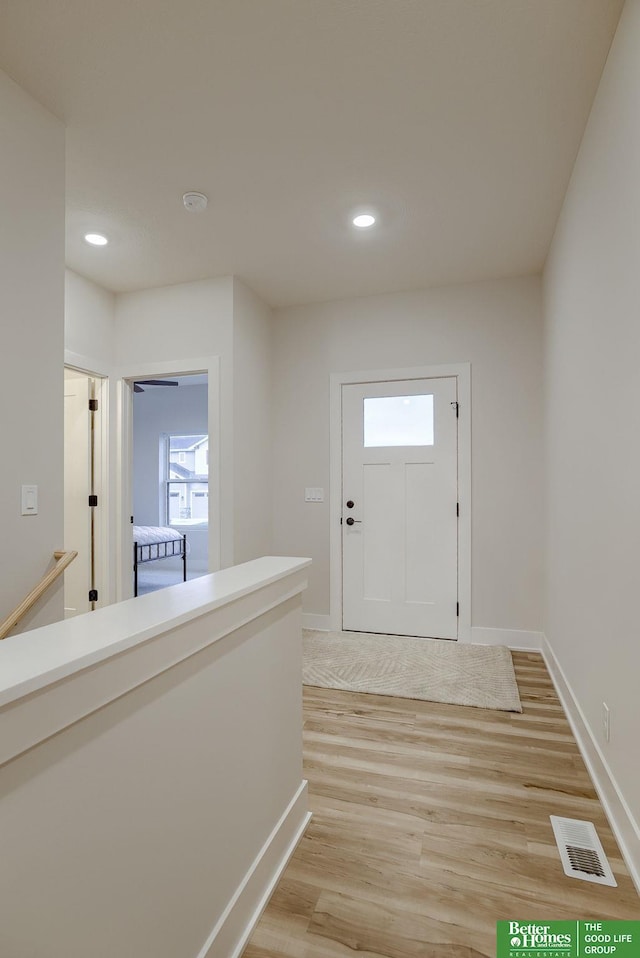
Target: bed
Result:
[[151, 543]]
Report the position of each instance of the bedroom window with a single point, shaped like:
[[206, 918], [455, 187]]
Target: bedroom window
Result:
[[186, 480]]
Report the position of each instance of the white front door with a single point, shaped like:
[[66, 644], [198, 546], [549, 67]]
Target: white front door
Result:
[[399, 507]]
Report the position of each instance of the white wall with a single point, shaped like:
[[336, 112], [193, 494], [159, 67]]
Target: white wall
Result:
[[180, 410], [497, 327], [89, 317], [252, 423], [187, 322], [175, 322], [592, 379], [31, 337]]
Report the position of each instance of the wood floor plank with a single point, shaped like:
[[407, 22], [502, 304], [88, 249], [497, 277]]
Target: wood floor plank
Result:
[[430, 823]]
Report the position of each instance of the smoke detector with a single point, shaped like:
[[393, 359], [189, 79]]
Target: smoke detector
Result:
[[195, 202]]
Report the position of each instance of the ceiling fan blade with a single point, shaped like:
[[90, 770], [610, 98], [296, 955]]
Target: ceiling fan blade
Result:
[[157, 382]]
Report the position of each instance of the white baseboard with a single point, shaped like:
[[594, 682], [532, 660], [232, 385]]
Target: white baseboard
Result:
[[513, 638], [311, 620], [623, 824], [233, 929]]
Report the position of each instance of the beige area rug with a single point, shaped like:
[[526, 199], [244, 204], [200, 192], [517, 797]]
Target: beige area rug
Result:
[[429, 669]]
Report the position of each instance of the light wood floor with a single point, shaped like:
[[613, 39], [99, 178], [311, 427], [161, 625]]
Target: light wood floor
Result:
[[430, 823]]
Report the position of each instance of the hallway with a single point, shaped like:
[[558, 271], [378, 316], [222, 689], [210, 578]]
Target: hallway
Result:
[[430, 823]]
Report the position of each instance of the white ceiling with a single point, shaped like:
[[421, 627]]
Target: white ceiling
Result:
[[458, 120]]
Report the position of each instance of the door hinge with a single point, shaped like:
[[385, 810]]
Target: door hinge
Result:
[[93, 595], [93, 405], [458, 509], [93, 500], [457, 609], [131, 520], [457, 408]]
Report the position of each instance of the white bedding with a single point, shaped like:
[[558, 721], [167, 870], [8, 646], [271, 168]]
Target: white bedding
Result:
[[147, 535]]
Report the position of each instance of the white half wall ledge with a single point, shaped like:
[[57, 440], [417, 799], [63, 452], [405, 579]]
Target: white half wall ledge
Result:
[[151, 783], [622, 821], [33, 660], [79, 665]]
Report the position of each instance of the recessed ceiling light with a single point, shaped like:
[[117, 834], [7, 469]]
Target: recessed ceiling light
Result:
[[363, 220], [96, 239]]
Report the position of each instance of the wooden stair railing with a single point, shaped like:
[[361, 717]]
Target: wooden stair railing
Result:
[[63, 559]]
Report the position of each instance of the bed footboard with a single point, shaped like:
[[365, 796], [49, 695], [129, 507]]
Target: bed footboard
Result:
[[152, 550]]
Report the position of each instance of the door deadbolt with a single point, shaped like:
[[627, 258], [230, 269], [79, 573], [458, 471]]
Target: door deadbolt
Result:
[[350, 503]]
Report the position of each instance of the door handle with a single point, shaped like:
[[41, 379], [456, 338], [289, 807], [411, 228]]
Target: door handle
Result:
[[351, 521]]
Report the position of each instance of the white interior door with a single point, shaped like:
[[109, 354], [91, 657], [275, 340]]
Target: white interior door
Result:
[[399, 507], [77, 488]]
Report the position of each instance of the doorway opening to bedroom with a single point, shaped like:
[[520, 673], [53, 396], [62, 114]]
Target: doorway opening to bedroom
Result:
[[170, 481]]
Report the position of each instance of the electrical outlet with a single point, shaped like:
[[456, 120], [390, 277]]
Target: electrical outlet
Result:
[[606, 722]]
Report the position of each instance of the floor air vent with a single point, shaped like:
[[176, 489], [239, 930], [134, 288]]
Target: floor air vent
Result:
[[580, 850]]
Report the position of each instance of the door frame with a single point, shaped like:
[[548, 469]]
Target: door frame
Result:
[[462, 373], [124, 507], [85, 366]]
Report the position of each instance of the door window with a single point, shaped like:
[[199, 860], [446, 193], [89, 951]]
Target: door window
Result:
[[398, 421]]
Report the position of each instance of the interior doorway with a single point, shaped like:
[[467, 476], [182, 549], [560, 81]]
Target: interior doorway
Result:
[[84, 494], [170, 480]]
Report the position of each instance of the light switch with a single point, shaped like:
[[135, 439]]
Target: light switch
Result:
[[314, 494], [29, 500]]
